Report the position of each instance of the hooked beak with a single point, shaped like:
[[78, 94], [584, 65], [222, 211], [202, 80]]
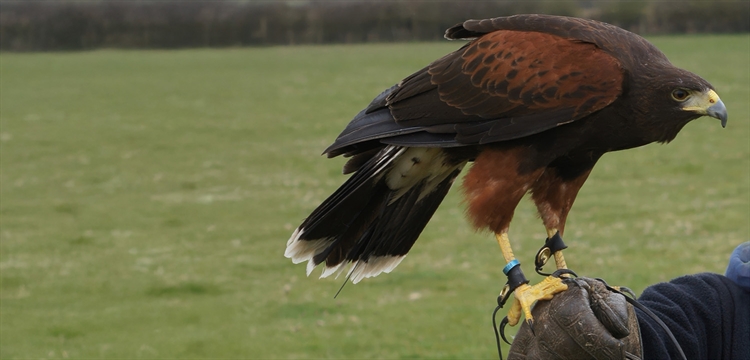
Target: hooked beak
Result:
[[718, 111], [707, 103]]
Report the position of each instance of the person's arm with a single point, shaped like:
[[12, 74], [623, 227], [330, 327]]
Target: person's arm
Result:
[[708, 314]]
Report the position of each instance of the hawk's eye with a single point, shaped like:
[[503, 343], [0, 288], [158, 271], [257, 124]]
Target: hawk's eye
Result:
[[680, 94]]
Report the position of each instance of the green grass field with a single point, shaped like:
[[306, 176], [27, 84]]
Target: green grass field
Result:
[[147, 197]]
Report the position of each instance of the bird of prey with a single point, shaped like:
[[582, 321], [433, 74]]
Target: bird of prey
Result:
[[533, 101]]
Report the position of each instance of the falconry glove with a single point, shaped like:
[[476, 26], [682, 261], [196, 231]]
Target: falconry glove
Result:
[[587, 321]]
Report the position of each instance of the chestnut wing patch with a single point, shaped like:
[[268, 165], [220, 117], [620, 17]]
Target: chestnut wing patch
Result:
[[508, 84]]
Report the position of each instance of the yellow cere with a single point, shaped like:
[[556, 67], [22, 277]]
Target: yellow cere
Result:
[[700, 102]]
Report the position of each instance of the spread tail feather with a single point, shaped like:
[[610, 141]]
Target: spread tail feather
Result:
[[374, 218]]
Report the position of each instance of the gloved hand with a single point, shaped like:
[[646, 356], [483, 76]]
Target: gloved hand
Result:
[[587, 321]]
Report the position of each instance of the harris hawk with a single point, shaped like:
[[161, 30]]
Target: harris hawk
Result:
[[533, 101]]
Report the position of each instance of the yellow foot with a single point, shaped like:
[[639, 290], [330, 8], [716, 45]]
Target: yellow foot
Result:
[[525, 296]]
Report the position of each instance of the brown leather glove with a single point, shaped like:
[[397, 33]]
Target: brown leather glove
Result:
[[587, 321]]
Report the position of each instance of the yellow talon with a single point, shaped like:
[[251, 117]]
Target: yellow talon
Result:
[[525, 296]]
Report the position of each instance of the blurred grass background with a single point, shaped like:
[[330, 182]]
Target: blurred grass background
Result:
[[147, 196]]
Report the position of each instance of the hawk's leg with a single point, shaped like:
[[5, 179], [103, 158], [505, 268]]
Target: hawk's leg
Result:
[[524, 295], [553, 247], [559, 259], [495, 184], [554, 194]]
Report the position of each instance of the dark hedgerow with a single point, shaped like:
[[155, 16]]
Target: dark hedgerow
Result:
[[64, 25]]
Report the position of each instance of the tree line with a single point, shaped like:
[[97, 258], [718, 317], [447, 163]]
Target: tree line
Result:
[[62, 25]]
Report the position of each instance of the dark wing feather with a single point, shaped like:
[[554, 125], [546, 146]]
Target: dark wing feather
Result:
[[506, 84], [375, 125]]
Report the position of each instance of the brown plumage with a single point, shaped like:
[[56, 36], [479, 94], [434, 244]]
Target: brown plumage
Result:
[[533, 100]]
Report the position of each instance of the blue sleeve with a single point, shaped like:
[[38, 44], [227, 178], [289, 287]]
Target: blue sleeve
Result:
[[709, 314]]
